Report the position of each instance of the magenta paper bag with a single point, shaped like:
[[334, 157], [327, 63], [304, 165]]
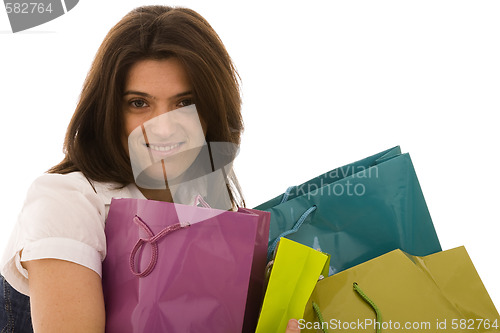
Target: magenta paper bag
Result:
[[257, 276], [164, 273]]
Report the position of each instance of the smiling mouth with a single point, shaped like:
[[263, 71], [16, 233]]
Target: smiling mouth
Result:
[[163, 148]]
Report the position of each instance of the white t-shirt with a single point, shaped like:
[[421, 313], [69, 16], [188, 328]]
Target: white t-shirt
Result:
[[62, 218]]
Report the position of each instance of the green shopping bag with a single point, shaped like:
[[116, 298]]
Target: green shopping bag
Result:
[[294, 274], [357, 212], [397, 292]]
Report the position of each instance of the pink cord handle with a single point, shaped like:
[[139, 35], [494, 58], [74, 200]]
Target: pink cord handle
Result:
[[152, 240], [198, 200]]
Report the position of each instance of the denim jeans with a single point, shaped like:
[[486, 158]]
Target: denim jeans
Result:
[[15, 315]]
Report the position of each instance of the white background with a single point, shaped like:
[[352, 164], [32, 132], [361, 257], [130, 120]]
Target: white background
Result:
[[324, 83]]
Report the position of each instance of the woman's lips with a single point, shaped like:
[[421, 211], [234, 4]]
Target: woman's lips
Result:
[[164, 149]]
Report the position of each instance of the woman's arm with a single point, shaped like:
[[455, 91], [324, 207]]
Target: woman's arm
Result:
[[65, 297]]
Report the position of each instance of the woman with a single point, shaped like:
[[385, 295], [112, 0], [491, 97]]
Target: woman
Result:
[[156, 60]]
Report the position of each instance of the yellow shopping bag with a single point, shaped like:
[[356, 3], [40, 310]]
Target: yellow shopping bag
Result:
[[294, 274], [397, 292]]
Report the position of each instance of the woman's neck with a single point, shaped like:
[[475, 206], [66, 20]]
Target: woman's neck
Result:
[[158, 195]]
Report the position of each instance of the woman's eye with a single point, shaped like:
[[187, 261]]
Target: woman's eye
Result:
[[185, 102], [138, 103]]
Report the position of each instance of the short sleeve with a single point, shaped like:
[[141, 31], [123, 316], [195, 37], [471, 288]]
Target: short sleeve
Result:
[[62, 218]]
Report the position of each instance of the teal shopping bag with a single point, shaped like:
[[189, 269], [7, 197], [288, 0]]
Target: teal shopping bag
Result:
[[357, 212]]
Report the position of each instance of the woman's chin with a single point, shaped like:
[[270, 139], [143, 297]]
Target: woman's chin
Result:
[[155, 177]]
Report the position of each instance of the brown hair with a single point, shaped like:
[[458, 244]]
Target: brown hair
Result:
[[93, 143]]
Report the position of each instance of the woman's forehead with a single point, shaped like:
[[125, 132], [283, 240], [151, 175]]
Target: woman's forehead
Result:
[[158, 77]]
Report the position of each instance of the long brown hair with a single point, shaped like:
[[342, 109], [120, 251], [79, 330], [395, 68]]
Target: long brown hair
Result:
[[93, 143]]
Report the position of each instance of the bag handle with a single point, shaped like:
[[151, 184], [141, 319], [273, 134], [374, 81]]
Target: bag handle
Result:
[[152, 240], [375, 308], [287, 194], [294, 229], [360, 292], [198, 200], [318, 313]]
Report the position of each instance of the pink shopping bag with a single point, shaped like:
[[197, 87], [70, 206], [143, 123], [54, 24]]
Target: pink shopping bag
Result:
[[164, 273]]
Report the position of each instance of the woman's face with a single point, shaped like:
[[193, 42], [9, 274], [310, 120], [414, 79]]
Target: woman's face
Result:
[[163, 132]]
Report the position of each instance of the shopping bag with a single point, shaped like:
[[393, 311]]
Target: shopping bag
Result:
[[257, 276], [294, 274], [164, 274], [398, 292], [357, 212]]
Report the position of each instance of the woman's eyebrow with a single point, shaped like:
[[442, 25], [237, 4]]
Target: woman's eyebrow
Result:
[[182, 94], [133, 92], [140, 93]]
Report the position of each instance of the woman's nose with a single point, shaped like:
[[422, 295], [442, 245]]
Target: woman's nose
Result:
[[163, 125]]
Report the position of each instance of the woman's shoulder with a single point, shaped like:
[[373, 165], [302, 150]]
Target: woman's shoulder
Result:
[[65, 184], [51, 194], [57, 181], [63, 217]]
